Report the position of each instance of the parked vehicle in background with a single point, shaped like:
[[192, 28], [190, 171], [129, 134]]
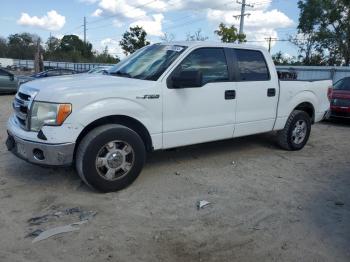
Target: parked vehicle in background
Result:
[[162, 96], [99, 70], [47, 73], [340, 99], [8, 82]]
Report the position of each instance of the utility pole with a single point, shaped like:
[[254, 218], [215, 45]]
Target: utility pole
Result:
[[85, 29], [50, 41], [242, 15], [269, 40]]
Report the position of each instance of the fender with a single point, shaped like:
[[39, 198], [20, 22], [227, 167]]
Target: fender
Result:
[[118, 106], [290, 101]]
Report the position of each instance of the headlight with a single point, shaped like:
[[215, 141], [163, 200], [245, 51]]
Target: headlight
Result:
[[50, 114]]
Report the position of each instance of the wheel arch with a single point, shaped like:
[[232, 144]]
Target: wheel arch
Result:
[[127, 121], [308, 108]]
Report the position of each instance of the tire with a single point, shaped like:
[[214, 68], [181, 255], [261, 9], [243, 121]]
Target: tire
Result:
[[289, 138], [110, 157]]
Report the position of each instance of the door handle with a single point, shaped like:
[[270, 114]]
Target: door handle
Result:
[[271, 92], [230, 94]]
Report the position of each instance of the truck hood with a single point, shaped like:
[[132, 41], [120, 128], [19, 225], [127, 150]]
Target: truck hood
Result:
[[66, 88]]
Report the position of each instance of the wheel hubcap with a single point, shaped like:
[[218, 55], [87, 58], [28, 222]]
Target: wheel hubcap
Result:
[[114, 160], [299, 132]]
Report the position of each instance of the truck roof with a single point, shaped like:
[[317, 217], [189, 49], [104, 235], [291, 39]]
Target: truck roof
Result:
[[215, 44]]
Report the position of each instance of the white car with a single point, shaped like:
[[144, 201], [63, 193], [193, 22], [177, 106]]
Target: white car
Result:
[[163, 96]]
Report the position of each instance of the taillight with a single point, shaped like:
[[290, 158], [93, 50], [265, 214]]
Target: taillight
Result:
[[330, 93]]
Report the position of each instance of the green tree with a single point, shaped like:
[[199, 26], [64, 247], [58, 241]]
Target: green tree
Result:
[[197, 36], [52, 44], [105, 57], [133, 40], [229, 34], [73, 44], [325, 24], [3, 47], [22, 46], [166, 37], [280, 59]]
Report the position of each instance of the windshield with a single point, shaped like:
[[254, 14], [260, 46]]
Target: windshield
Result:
[[148, 63], [342, 84]]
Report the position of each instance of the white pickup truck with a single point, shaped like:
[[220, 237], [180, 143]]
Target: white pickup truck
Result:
[[163, 96]]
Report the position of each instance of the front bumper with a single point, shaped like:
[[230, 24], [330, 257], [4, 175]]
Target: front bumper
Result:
[[41, 153]]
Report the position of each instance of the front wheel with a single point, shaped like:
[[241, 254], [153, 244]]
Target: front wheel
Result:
[[110, 157], [297, 131]]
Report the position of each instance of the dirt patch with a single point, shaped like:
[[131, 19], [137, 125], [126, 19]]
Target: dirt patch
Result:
[[266, 204]]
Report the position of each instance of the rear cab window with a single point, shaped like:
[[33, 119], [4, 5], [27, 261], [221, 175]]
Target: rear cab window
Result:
[[252, 65]]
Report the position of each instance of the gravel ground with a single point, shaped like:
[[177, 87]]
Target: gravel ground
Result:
[[266, 204]]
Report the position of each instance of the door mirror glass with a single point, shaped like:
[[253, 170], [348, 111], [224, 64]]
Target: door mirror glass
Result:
[[187, 79]]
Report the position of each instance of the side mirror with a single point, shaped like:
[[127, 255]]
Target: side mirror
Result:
[[12, 77], [188, 79]]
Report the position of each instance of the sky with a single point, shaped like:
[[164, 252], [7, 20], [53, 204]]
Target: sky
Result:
[[107, 20]]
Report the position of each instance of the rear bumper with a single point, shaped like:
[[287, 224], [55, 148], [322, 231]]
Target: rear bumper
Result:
[[40, 153], [340, 112], [340, 116]]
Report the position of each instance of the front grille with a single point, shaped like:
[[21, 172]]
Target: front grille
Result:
[[25, 97], [21, 105], [341, 102]]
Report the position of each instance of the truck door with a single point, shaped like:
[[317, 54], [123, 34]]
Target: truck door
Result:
[[257, 93], [200, 114]]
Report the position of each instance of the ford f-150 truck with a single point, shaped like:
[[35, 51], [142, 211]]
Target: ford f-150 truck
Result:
[[162, 96]]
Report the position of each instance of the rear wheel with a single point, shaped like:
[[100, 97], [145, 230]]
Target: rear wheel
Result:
[[110, 157], [297, 131]]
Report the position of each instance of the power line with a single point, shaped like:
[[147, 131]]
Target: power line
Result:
[[115, 15], [269, 40], [73, 29], [140, 16], [179, 25], [106, 18], [194, 20]]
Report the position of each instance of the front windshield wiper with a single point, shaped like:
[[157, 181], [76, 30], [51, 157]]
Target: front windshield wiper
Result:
[[122, 74]]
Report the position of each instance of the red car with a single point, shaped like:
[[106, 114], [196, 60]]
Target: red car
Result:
[[340, 98]]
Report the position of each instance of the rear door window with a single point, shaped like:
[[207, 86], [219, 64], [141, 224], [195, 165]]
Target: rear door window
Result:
[[252, 65]]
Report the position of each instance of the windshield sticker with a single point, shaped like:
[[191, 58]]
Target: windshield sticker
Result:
[[174, 48]]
